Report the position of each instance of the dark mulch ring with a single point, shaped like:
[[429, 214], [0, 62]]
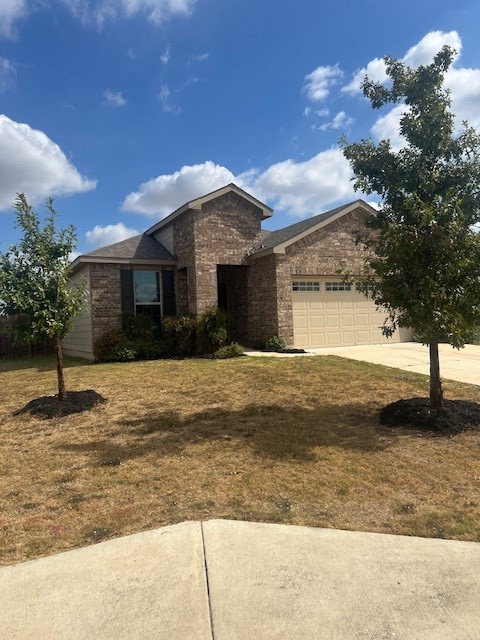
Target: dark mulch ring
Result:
[[286, 350], [48, 407], [414, 413]]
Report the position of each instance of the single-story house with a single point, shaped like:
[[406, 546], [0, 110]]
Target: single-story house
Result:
[[213, 251]]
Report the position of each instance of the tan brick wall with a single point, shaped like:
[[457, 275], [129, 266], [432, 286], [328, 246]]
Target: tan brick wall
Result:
[[262, 300], [328, 250], [223, 232], [105, 296], [324, 252]]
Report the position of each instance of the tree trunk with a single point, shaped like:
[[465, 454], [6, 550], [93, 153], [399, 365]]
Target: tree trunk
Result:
[[61, 381], [436, 391]]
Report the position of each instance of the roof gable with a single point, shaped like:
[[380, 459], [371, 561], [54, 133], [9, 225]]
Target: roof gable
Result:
[[277, 241], [198, 202]]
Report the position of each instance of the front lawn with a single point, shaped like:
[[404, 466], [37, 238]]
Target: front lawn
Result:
[[294, 441]]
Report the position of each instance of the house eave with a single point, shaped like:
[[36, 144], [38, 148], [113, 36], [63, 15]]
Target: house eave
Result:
[[196, 205], [281, 247], [85, 260]]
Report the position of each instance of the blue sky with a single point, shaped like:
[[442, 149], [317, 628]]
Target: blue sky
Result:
[[125, 109]]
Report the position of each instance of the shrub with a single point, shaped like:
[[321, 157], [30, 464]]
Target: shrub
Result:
[[275, 343], [103, 347], [233, 350], [140, 327], [180, 335], [123, 352], [212, 330]]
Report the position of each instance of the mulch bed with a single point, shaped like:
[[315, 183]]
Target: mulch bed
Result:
[[48, 407], [415, 413]]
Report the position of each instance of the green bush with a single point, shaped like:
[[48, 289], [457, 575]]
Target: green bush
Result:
[[180, 335], [233, 350], [212, 331], [139, 327], [104, 346], [123, 352], [274, 344]]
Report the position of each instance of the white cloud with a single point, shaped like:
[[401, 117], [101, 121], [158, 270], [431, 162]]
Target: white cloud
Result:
[[8, 74], [100, 11], [201, 57], [421, 53], [114, 99], [387, 127], [164, 96], [376, 72], [340, 121], [10, 12], [424, 51], [464, 85], [160, 196], [299, 188], [31, 163], [166, 56], [305, 188], [101, 236], [318, 83]]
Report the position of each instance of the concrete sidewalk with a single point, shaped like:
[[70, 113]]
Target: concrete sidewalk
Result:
[[225, 580], [461, 365]]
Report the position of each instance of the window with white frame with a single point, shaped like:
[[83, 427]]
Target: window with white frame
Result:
[[148, 293], [305, 285], [338, 286]]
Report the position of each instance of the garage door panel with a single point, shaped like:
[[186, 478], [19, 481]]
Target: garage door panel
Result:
[[301, 322], [317, 322], [347, 321], [332, 321], [337, 318]]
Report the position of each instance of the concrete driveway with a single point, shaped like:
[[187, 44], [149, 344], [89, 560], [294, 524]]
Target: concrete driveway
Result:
[[225, 580], [462, 365]]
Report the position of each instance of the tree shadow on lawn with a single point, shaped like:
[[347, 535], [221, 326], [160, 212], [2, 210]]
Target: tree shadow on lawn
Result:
[[271, 431], [41, 364]]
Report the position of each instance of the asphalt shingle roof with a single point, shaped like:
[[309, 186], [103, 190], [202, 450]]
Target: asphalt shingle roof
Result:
[[141, 247], [280, 236]]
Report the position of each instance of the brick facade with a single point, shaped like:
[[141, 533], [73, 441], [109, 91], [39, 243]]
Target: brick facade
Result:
[[212, 245], [105, 296]]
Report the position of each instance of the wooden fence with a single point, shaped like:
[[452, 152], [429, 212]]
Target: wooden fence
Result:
[[10, 349]]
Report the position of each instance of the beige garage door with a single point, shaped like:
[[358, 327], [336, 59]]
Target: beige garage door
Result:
[[331, 313]]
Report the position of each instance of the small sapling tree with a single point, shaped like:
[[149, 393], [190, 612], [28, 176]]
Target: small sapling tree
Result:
[[34, 281], [422, 256]]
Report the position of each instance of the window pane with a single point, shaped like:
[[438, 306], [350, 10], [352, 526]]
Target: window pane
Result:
[[338, 286], [151, 310], [147, 286], [308, 285]]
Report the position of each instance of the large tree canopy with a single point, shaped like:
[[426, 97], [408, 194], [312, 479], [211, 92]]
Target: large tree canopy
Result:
[[34, 281], [422, 255]]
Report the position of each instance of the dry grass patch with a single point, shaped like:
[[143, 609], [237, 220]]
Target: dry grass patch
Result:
[[274, 440]]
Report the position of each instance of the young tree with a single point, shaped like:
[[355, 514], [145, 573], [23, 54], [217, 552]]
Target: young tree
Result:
[[34, 284], [422, 257]]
